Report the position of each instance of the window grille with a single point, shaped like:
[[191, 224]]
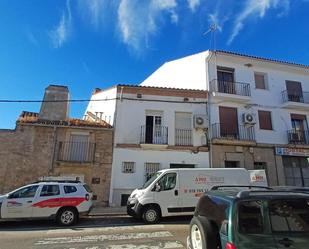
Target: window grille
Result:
[[128, 167], [150, 169]]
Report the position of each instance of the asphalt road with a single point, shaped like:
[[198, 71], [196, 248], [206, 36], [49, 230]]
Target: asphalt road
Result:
[[118, 232]]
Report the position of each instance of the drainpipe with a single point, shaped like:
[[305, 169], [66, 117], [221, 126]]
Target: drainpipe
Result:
[[208, 109], [51, 164]]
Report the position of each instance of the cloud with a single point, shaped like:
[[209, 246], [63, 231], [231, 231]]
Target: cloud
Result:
[[94, 10], [60, 34], [139, 20], [31, 38], [256, 8], [193, 4]]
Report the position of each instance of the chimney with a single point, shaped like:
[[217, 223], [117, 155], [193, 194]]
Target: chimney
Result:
[[55, 110]]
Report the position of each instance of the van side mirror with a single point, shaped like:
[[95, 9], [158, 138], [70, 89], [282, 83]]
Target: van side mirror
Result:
[[157, 187]]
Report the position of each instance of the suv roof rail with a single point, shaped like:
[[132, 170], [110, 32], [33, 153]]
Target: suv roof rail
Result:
[[247, 193], [59, 181], [239, 186]]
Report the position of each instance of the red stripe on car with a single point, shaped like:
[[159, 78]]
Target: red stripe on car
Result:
[[59, 202]]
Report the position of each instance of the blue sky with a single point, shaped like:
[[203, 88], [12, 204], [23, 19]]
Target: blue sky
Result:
[[86, 44]]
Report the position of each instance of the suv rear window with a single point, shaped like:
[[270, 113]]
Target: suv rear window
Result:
[[69, 189], [289, 215], [250, 219], [88, 189]]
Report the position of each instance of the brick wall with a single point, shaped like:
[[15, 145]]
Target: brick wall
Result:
[[30, 151]]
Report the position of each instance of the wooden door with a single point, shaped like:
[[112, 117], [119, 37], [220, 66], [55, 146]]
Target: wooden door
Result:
[[228, 122]]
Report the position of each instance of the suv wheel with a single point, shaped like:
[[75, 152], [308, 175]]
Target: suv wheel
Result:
[[202, 234], [67, 216], [151, 214]]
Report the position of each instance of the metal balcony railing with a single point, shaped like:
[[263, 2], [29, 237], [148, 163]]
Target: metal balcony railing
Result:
[[230, 87], [154, 134], [302, 97], [183, 137], [298, 136], [224, 131], [81, 152]]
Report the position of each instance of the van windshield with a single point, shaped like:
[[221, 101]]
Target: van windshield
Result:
[[151, 180]]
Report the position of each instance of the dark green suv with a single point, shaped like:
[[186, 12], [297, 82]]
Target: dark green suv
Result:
[[250, 219]]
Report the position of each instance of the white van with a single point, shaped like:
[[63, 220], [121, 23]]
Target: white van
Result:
[[175, 192]]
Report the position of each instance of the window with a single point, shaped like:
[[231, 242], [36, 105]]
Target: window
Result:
[[151, 169], [79, 148], [183, 128], [50, 190], [226, 80], [231, 164], [27, 192], [128, 167], [69, 189], [289, 215], [260, 80], [167, 182], [250, 219], [265, 120]]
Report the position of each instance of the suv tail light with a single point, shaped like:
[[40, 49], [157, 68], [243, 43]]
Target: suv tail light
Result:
[[230, 246], [87, 197]]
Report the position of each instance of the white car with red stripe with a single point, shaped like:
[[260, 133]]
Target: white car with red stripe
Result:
[[64, 201]]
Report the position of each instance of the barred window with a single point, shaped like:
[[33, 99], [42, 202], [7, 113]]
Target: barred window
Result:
[[128, 167], [150, 169]]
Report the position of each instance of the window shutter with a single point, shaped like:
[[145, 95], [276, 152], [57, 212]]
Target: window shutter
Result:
[[265, 120], [259, 81]]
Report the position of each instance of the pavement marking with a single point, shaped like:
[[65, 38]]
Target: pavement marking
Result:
[[105, 229], [100, 238]]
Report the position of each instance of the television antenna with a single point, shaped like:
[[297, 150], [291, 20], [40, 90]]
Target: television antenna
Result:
[[212, 30]]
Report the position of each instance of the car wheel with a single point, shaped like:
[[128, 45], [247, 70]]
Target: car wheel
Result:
[[202, 234], [67, 217], [151, 214]]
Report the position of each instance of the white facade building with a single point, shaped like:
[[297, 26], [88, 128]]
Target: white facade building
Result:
[[258, 110], [155, 128]]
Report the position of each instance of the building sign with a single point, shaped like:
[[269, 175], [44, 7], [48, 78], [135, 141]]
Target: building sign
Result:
[[292, 152]]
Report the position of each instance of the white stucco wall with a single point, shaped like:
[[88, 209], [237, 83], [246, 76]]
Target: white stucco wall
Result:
[[188, 73], [131, 115], [107, 105]]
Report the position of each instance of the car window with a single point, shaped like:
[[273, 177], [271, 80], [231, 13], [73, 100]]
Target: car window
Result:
[[289, 215], [27, 192], [69, 189], [88, 189], [50, 190], [167, 182], [250, 218]]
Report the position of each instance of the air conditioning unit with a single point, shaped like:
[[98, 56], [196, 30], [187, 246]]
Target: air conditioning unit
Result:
[[248, 118], [200, 121]]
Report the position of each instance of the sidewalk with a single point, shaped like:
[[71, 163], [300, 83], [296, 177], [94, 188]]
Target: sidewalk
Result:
[[108, 211]]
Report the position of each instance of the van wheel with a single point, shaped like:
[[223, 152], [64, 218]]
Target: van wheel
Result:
[[202, 235], [67, 216], [151, 214]]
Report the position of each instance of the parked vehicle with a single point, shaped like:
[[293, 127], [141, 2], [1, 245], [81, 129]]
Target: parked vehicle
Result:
[[175, 192], [250, 219], [60, 200]]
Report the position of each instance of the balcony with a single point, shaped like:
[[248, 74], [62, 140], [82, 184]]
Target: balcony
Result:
[[298, 137], [183, 137], [79, 152], [298, 101], [154, 135], [230, 91], [225, 132]]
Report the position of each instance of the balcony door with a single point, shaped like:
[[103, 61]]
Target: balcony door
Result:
[[294, 90], [228, 122], [299, 127], [154, 129], [226, 80]]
